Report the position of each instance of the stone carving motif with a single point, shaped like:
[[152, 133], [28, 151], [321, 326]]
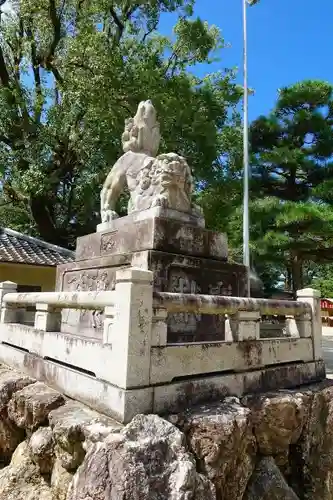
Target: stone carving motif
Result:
[[221, 288], [180, 282], [92, 280], [183, 322], [163, 181]]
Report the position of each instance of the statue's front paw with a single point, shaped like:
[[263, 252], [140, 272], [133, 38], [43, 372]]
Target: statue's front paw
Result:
[[161, 201], [197, 211], [109, 215]]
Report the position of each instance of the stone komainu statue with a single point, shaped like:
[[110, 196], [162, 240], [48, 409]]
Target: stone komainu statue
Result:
[[164, 181]]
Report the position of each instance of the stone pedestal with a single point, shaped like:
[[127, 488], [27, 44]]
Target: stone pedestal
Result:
[[184, 257]]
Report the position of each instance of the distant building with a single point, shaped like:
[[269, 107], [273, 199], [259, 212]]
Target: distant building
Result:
[[326, 306], [30, 262]]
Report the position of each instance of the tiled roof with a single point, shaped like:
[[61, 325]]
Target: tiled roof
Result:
[[19, 248]]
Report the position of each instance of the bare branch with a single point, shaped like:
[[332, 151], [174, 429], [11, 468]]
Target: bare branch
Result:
[[118, 23], [49, 58], [55, 19], [56, 73], [36, 71], [130, 10], [4, 74], [149, 32]]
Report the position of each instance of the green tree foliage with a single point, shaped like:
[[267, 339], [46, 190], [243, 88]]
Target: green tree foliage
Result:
[[322, 279], [71, 71], [292, 176]]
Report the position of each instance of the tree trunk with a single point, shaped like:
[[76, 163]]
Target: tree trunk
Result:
[[288, 279], [44, 221], [297, 273]]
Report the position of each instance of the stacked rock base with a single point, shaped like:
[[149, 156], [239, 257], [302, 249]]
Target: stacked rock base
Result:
[[276, 446]]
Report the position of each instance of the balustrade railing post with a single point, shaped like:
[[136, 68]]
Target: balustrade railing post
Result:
[[131, 331], [9, 312], [311, 326], [247, 325], [159, 327], [293, 327], [47, 318], [109, 312]]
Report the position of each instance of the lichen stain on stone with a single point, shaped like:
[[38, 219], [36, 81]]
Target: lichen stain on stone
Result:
[[206, 346], [251, 352], [216, 304], [193, 393]]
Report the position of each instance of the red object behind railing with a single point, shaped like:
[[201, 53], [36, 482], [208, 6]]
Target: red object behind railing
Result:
[[326, 304]]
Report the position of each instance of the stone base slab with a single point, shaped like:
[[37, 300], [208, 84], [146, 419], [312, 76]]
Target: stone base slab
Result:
[[123, 405], [155, 233], [172, 273], [164, 213], [117, 403]]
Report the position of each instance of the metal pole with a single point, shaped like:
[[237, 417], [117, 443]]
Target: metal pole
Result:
[[246, 173]]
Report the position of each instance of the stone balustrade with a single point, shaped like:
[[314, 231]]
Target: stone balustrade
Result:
[[214, 304], [134, 369]]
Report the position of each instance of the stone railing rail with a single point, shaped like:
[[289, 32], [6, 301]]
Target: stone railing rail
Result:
[[47, 316], [296, 323], [215, 304], [62, 300], [133, 368]]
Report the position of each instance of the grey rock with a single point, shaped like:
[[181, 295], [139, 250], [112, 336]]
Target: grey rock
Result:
[[10, 434], [29, 408], [278, 419], [10, 438], [74, 427], [22, 480], [60, 481], [268, 483], [221, 438], [311, 458], [41, 447], [148, 460], [11, 382]]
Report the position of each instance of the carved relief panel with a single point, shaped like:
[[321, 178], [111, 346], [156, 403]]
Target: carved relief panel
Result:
[[86, 322], [181, 278]]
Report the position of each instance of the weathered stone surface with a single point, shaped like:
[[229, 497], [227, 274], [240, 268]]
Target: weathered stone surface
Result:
[[165, 181], [146, 461], [41, 447], [22, 480], [222, 441], [60, 481], [10, 434], [72, 425], [278, 420], [29, 407], [153, 233], [312, 456], [21, 454], [10, 437], [11, 382], [173, 272], [268, 483]]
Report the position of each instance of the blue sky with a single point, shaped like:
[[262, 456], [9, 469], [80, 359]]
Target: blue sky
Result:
[[289, 41]]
